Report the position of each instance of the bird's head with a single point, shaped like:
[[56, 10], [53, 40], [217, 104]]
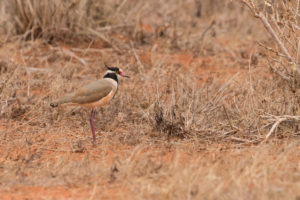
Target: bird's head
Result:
[[116, 70]]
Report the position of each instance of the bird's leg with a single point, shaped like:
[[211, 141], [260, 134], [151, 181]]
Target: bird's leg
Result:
[[93, 113]]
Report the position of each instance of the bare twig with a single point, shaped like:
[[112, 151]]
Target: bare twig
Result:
[[41, 70], [275, 125], [298, 57], [283, 76], [229, 121], [297, 9], [241, 139], [278, 120], [72, 55], [92, 50], [207, 29], [118, 9], [274, 35], [281, 34], [137, 57], [103, 37], [269, 28], [250, 5], [94, 191], [271, 50]]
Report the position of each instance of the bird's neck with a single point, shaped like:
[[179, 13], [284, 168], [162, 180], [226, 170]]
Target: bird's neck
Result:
[[111, 75]]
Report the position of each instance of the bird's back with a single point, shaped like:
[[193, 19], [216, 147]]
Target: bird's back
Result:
[[88, 94], [92, 92]]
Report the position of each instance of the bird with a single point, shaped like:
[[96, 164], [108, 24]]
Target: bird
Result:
[[95, 94]]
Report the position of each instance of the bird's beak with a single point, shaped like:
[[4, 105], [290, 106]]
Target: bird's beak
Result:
[[123, 74]]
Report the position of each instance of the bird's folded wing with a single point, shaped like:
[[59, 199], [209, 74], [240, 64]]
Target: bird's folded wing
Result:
[[92, 92]]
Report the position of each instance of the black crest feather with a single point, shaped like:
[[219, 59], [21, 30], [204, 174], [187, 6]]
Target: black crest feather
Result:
[[114, 69]]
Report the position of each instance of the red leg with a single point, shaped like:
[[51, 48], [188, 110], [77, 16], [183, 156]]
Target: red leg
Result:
[[93, 113]]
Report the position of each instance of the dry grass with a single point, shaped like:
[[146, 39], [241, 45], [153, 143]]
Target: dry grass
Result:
[[193, 122]]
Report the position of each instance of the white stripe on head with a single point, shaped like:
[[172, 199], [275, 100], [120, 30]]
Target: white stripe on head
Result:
[[109, 71]]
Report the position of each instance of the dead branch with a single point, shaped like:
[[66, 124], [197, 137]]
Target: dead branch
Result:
[[274, 35], [137, 57], [277, 120], [229, 121], [275, 125], [213, 22], [271, 50], [269, 28]]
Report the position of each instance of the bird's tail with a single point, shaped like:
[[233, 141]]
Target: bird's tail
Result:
[[66, 99]]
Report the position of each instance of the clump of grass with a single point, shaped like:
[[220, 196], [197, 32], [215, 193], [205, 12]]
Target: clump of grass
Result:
[[36, 19], [174, 128], [52, 19]]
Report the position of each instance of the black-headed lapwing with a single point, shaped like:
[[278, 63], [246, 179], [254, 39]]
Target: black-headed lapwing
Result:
[[95, 94]]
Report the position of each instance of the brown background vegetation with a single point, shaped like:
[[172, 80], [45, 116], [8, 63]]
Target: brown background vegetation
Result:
[[211, 110]]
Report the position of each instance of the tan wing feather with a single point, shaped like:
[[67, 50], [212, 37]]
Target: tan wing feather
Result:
[[90, 93]]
